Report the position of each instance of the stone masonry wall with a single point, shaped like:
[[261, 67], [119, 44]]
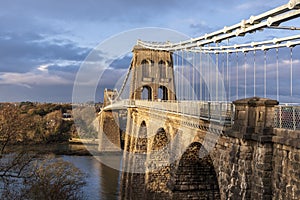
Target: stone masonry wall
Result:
[[109, 133], [195, 177], [286, 164]]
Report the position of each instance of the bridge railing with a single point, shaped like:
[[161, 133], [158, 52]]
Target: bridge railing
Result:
[[213, 111], [287, 117]]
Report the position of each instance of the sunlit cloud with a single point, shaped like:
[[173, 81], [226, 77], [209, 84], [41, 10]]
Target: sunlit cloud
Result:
[[43, 68], [288, 62], [31, 79]]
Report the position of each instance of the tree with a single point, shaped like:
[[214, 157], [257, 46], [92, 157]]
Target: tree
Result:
[[54, 179], [25, 174], [8, 118]]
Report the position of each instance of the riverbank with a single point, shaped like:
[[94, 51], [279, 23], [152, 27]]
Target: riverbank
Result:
[[76, 147], [73, 147]]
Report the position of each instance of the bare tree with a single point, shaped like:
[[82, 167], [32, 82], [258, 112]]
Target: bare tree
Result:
[[54, 179], [25, 174], [8, 118]]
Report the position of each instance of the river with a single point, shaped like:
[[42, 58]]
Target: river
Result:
[[102, 181]]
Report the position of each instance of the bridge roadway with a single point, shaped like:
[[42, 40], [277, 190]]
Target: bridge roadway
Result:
[[221, 112]]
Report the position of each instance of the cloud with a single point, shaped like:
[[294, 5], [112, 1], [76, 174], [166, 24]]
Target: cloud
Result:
[[258, 5], [23, 52], [201, 28], [31, 79], [121, 63], [43, 68]]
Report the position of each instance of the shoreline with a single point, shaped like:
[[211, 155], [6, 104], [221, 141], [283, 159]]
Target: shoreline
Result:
[[75, 147]]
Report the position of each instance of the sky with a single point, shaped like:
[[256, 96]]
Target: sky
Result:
[[43, 43]]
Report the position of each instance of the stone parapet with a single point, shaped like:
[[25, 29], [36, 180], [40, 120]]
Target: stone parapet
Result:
[[287, 137], [254, 119]]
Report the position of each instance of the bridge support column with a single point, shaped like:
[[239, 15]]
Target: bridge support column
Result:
[[110, 132], [134, 158], [254, 123]]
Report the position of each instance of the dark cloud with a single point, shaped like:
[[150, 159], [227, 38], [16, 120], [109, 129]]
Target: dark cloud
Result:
[[89, 10], [55, 69], [122, 63], [24, 52], [202, 28]]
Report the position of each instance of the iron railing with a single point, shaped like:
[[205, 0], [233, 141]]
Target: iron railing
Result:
[[213, 111], [222, 112], [287, 117]]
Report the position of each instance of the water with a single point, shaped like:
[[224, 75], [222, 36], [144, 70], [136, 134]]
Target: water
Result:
[[102, 181]]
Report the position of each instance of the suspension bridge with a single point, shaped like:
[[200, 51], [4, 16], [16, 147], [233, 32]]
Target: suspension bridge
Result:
[[213, 97]]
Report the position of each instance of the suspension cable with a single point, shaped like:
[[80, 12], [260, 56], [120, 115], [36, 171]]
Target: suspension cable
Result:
[[227, 72], [209, 92], [291, 70], [270, 18], [228, 77], [254, 73], [237, 75], [124, 83], [177, 64], [265, 73], [217, 74], [182, 65], [201, 78], [277, 74], [245, 75], [223, 91], [193, 77]]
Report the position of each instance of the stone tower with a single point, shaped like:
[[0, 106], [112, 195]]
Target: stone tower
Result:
[[152, 75], [108, 96]]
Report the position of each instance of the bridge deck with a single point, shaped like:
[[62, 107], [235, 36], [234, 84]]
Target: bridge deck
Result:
[[211, 111]]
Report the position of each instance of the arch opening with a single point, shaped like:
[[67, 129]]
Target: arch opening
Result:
[[158, 166], [141, 140], [146, 93], [146, 67], [195, 174], [163, 93], [162, 69], [160, 140]]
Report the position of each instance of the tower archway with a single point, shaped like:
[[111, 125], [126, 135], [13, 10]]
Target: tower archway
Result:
[[163, 93], [146, 67], [162, 69], [146, 93]]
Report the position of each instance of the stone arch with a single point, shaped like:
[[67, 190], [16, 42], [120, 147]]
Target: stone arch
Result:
[[160, 140], [146, 93], [162, 65], [195, 176], [158, 173], [163, 93], [141, 140]]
